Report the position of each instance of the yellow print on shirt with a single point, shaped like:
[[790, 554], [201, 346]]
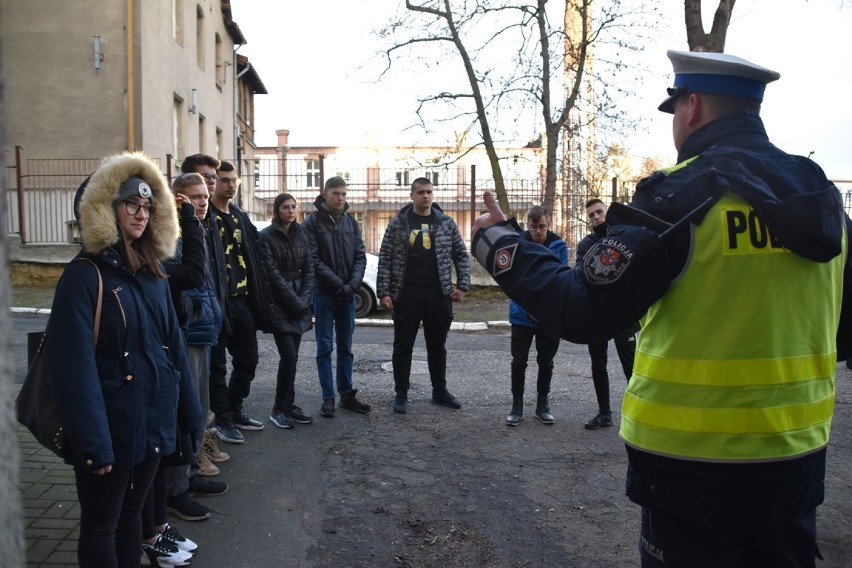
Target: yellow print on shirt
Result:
[[744, 233], [427, 236]]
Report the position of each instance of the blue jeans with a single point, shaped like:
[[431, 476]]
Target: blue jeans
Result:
[[333, 316]]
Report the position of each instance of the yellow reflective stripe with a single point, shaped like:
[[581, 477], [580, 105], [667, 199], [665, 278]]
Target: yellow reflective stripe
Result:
[[735, 372], [713, 446], [778, 420], [676, 167], [749, 396]]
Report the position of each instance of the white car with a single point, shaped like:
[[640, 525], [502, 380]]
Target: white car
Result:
[[365, 297]]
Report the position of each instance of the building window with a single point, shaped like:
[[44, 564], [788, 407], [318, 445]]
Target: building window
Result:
[[177, 21], [433, 176], [199, 35], [201, 126], [177, 128], [220, 64], [312, 169], [402, 178], [346, 176]]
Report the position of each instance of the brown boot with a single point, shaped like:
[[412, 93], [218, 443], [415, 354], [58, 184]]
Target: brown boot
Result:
[[211, 447], [206, 468]]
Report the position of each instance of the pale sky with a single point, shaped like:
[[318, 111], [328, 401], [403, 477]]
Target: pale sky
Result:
[[317, 60]]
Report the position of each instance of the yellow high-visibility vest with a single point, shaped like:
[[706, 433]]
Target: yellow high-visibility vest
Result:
[[736, 362]]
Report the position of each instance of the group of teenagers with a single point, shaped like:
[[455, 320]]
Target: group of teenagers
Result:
[[178, 278]]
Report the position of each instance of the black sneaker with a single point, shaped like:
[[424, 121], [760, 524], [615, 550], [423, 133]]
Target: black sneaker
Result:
[[164, 553], [227, 432], [298, 416], [351, 402], [602, 420], [203, 486], [281, 420], [327, 408], [446, 399], [243, 422], [184, 507], [400, 403]]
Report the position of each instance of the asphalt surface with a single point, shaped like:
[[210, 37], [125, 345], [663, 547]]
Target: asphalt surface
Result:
[[434, 487]]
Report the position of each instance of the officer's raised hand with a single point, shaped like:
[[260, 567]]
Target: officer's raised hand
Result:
[[494, 215]]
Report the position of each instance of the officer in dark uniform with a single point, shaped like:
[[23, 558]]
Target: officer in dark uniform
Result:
[[735, 260]]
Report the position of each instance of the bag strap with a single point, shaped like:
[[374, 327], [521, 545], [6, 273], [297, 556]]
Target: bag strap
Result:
[[100, 301]]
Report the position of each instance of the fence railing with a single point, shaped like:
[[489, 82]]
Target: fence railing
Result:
[[40, 196]]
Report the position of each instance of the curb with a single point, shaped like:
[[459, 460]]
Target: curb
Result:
[[45, 311]]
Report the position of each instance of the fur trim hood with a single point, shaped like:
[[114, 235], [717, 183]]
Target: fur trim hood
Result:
[[96, 214]]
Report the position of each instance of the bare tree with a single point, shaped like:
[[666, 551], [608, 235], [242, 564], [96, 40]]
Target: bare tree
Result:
[[696, 37], [540, 66]]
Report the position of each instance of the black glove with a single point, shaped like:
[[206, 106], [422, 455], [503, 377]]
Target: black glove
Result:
[[345, 293]]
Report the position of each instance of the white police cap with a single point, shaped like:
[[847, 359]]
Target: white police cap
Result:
[[718, 74]]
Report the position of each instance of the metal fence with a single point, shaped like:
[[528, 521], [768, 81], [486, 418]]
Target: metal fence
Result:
[[40, 195], [376, 194]]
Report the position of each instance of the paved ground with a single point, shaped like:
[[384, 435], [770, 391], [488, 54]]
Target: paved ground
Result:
[[434, 487]]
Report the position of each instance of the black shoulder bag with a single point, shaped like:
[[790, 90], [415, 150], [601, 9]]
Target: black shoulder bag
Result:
[[36, 403]]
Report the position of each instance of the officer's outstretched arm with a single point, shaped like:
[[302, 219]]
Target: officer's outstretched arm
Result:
[[620, 277]]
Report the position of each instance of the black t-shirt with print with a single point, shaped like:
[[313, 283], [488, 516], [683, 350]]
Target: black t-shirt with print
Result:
[[421, 274], [231, 234]]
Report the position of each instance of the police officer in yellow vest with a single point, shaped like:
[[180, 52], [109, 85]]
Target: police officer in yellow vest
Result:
[[734, 259]]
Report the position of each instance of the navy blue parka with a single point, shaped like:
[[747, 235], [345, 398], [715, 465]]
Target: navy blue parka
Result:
[[120, 401]]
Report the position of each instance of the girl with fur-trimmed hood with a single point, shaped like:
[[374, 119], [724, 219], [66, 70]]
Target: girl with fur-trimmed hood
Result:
[[120, 401]]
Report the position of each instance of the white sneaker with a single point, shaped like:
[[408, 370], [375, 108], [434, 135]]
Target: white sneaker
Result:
[[172, 535], [164, 554]]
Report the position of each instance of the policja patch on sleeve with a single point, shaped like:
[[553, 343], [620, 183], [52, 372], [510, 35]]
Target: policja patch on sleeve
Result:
[[504, 258], [607, 261]]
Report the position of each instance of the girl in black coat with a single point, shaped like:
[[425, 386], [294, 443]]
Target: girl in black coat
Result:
[[285, 253], [120, 400]]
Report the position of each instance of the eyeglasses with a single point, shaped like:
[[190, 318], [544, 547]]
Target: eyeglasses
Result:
[[542, 227], [210, 177], [133, 207]]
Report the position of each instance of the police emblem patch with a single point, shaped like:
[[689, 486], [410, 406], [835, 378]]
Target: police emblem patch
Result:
[[144, 190], [504, 258], [606, 261]]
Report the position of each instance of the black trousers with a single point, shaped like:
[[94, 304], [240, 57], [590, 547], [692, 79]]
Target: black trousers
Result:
[[226, 396], [111, 514], [669, 541], [154, 510], [288, 357], [546, 345], [625, 346], [436, 312]]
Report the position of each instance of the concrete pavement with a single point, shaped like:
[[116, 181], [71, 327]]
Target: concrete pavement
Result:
[[51, 512], [401, 490], [47, 485]]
